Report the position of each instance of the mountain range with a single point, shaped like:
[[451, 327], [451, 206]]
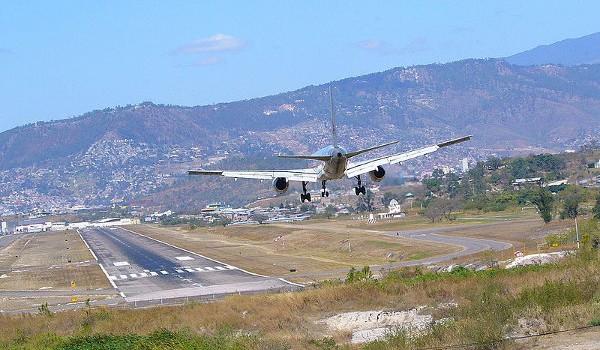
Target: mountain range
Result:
[[140, 152]]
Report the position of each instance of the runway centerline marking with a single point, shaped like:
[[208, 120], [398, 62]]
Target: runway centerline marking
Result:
[[121, 263]]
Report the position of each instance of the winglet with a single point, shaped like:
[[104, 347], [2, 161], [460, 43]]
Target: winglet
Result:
[[454, 141]]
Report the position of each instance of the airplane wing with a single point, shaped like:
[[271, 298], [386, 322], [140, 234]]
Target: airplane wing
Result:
[[372, 164], [307, 175]]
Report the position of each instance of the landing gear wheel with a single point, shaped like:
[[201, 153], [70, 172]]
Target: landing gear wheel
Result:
[[304, 196], [324, 192], [360, 188]]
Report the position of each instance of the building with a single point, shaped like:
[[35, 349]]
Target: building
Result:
[[464, 165], [394, 211]]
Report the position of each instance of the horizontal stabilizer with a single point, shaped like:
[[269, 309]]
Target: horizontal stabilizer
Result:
[[293, 156], [355, 153]]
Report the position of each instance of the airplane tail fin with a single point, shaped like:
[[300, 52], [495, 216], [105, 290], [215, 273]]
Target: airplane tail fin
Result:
[[333, 125]]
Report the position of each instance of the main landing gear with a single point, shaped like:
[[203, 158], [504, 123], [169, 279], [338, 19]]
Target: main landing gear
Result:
[[359, 188], [304, 196], [324, 192]]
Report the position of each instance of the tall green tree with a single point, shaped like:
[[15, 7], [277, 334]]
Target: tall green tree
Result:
[[544, 201], [571, 197], [596, 209]]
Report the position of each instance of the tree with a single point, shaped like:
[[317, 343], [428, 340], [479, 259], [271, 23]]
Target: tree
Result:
[[544, 201], [330, 210], [493, 163], [260, 218], [439, 208], [365, 202], [596, 209], [571, 197]]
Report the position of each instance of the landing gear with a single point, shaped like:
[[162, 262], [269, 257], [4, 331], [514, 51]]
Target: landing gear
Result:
[[324, 192], [360, 188], [304, 196]]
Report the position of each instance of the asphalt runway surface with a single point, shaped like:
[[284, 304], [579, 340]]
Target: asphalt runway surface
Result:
[[143, 269], [469, 245]]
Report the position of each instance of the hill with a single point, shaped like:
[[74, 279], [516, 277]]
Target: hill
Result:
[[141, 151], [569, 52]]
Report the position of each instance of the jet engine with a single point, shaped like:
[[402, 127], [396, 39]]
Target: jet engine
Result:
[[378, 174], [281, 184]]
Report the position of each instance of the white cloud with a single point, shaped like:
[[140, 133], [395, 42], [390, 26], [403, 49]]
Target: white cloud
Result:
[[215, 43]]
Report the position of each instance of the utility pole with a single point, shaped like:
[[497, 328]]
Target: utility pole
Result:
[[577, 232]]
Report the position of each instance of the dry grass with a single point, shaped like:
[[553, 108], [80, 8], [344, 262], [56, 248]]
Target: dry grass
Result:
[[290, 318], [311, 248], [489, 302], [50, 260]]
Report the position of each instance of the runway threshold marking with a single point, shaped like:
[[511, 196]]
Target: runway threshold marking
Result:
[[161, 273], [211, 259], [121, 263]]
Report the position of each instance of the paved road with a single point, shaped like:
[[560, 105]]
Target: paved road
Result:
[[469, 246], [143, 269], [6, 240]]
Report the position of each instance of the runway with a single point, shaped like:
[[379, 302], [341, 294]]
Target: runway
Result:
[[469, 245], [143, 269]]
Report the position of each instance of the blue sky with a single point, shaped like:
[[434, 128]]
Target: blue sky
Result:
[[62, 58]]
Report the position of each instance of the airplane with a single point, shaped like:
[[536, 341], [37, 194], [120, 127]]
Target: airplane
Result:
[[335, 165]]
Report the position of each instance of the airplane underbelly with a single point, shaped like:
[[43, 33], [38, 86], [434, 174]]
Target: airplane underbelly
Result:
[[335, 168]]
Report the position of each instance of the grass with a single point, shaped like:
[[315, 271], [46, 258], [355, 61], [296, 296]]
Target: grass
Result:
[[49, 260], [489, 304], [313, 249]]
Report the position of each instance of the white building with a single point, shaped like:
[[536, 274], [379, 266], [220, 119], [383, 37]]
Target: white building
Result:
[[464, 165]]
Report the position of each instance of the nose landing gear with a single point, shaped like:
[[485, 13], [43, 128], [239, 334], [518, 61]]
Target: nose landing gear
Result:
[[304, 196], [360, 188], [324, 192]]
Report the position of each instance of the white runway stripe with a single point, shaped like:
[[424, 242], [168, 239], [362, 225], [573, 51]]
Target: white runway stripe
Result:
[[220, 268], [123, 277], [143, 274], [164, 272], [199, 269], [209, 268], [133, 275], [179, 271], [152, 273], [113, 277], [189, 270]]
